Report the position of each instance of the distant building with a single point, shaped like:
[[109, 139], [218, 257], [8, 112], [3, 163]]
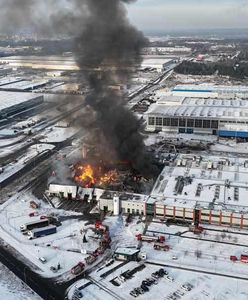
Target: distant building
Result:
[[179, 114], [212, 91], [159, 64]]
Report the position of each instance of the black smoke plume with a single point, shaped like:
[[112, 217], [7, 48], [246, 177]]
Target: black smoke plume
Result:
[[112, 47], [108, 51]]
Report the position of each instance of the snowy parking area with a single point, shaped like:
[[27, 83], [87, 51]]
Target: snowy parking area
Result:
[[66, 247]]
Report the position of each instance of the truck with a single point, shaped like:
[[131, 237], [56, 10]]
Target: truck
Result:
[[233, 258], [34, 224], [90, 259], [161, 246], [78, 269], [149, 239], [34, 205], [39, 232], [244, 258], [196, 229]]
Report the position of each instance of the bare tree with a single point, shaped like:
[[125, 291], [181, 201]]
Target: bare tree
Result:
[[235, 239], [217, 237], [223, 235]]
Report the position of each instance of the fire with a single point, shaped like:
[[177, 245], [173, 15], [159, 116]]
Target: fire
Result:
[[90, 176], [109, 177], [86, 175]]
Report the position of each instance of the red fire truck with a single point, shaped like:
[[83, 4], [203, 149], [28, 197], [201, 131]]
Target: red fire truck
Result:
[[244, 258], [150, 239]]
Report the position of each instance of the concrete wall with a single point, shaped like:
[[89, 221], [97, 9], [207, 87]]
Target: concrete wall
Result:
[[63, 190]]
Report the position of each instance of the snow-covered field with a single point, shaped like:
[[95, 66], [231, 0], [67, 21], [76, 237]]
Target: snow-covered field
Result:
[[12, 288]]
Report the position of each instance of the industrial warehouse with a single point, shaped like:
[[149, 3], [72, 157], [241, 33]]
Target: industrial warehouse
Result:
[[225, 117], [212, 91], [200, 189], [158, 63], [13, 102]]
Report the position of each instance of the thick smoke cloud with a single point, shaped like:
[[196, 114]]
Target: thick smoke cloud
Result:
[[108, 50], [111, 45]]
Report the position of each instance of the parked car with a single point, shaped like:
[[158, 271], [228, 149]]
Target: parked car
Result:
[[155, 275], [186, 287], [169, 278], [42, 259], [134, 294], [33, 214], [145, 288]]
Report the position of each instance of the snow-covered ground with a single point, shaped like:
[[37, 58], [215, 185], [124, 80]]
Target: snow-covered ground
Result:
[[58, 134], [211, 267], [12, 288], [58, 248], [23, 160]]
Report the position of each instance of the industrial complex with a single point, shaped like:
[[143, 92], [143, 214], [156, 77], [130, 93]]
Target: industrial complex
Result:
[[218, 113], [125, 183], [11, 103]]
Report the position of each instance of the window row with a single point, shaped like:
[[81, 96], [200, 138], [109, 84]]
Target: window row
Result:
[[176, 122]]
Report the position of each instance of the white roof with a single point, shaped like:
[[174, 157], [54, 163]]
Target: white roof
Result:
[[209, 111], [9, 99], [126, 251], [229, 169], [24, 85], [7, 80], [213, 88]]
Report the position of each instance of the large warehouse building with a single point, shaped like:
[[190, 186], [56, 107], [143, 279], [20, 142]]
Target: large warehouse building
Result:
[[13, 102], [179, 114], [207, 190], [213, 91], [63, 63], [158, 63]]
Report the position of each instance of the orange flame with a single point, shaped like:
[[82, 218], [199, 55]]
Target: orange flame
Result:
[[89, 176], [86, 175]]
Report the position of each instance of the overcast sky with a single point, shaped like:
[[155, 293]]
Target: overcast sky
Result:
[[162, 15]]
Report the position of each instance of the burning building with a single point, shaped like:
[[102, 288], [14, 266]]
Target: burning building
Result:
[[107, 50]]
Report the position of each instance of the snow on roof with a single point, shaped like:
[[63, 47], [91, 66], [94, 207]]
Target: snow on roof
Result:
[[10, 99], [155, 61], [208, 174], [212, 88], [231, 109], [7, 80], [24, 85], [124, 196], [126, 251]]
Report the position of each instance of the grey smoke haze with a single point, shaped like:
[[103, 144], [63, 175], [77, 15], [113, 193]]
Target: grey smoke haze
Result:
[[106, 41]]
